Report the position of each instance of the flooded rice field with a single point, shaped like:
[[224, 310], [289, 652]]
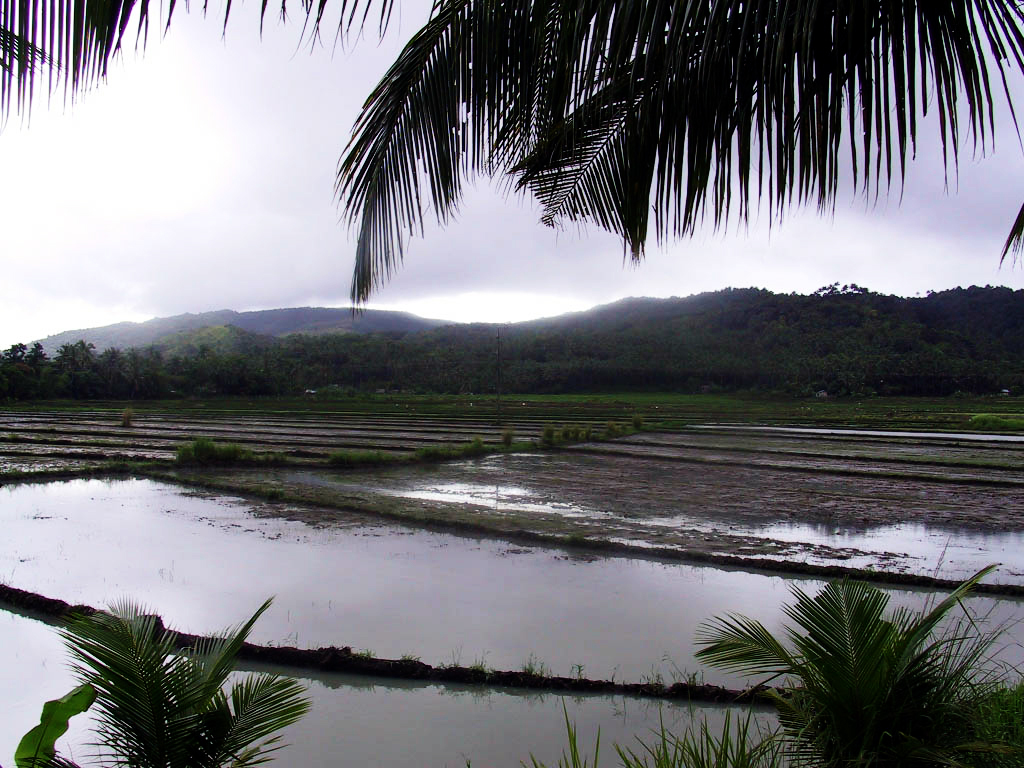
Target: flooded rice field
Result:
[[197, 558], [156, 436], [365, 721], [873, 519], [442, 561]]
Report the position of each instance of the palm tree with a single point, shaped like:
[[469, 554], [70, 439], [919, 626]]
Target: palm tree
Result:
[[608, 109], [158, 707], [861, 689]]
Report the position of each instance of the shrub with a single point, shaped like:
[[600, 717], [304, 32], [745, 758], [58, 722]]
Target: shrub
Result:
[[995, 423], [507, 436], [203, 450], [126, 417], [547, 436], [638, 421], [471, 449], [359, 458], [862, 688]]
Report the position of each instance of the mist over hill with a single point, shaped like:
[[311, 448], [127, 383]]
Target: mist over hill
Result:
[[164, 332]]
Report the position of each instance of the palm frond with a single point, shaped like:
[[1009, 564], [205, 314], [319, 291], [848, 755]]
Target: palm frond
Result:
[[733, 101], [261, 705], [867, 687], [157, 706], [1015, 240], [214, 657], [741, 644]]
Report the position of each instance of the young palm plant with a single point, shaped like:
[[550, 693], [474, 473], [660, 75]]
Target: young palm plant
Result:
[[863, 689], [160, 707]]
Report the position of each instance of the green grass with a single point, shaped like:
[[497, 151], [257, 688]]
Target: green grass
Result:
[[205, 451], [993, 423], [535, 666], [741, 744], [658, 409], [1000, 719], [468, 450], [360, 458]]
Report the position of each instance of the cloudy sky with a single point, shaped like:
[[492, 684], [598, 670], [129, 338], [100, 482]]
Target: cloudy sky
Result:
[[200, 177]]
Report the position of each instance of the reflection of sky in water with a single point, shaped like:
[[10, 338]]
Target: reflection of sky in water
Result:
[[955, 554], [203, 561], [975, 436], [370, 721], [511, 498], [907, 547]]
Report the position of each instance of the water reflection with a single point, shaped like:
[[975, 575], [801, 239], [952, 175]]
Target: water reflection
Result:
[[363, 721]]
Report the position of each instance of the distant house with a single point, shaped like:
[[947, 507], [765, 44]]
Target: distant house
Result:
[[821, 394], [310, 392], [1004, 392]]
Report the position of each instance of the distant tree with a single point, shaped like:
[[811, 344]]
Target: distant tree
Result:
[[36, 356], [76, 363]]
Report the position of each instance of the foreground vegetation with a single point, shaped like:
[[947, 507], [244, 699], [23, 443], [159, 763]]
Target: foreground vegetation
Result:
[[160, 707], [860, 688]]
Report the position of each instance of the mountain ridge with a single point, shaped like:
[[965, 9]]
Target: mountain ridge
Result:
[[272, 323]]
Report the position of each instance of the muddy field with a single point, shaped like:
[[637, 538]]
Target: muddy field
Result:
[[869, 500]]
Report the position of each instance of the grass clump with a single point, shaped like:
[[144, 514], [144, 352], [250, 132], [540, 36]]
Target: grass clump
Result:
[[548, 435], [1000, 720], [468, 450], [508, 436], [638, 422], [203, 450], [613, 429], [993, 423], [535, 667], [740, 745], [359, 458], [127, 415]]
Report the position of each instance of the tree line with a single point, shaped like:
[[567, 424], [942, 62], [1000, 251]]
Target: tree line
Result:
[[846, 341]]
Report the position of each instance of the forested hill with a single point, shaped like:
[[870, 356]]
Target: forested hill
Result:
[[167, 331], [846, 341]]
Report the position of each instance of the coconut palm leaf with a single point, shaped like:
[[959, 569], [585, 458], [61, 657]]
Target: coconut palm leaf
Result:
[[160, 708], [864, 686], [69, 43], [735, 102]]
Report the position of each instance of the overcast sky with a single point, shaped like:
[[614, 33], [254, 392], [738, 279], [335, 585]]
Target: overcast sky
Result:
[[200, 177]]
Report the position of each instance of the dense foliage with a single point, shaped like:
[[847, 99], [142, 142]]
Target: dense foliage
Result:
[[846, 341]]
